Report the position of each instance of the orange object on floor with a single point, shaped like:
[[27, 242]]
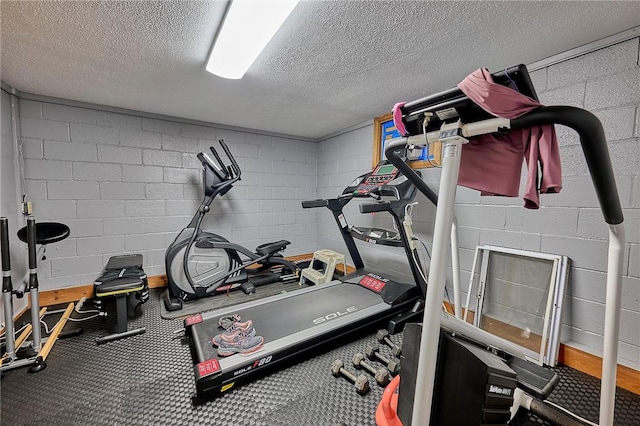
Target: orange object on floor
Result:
[[387, 411]]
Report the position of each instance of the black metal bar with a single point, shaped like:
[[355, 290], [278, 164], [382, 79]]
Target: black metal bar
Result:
[[393, 151], [594, 147], [4, 236], [117, 336]]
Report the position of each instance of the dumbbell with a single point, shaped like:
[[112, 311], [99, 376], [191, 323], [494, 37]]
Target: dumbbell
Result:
[[383, 337], [361, 382], [373, 353], [381, 374]]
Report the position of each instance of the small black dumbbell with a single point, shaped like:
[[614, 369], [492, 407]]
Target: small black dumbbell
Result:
[[393, 363], [361, 382], [381, 374], [383, 337]]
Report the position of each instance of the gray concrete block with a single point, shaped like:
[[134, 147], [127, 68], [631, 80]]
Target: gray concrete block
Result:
[[99, 209], [76, 266], [617, 122], [32, 148], [185, 207], [270, 153], [65, 190], [42, 169], [134, 173], [632, 225], [100, 245], [603, 62], [36, 189], [636, 191], [121, 121], [94, 134], [153, 157], [637, 132], [180, 144], [243, 150], [271, 179], [160, 126], [231, 137], [174, 175], [163, 191], [58, 210], [591, 225], [197, 132], [634, 260], [190, 161], [68, 113], [586, 254], [125, 226], [631, 293], [511, 239], [144, 208], [166, 224], [121, 191], [72, 151], [119, 154], [570, 95], [539, 80], [140, 139], [64, 248], [613, 90], [84, 227], [625, 156], [578, 191], [97, 172], [546, 220], [29, 109], [44, 129], [481, 216], [305, 169], [144, 242], [192, 192], [284, 193], [255, 165]]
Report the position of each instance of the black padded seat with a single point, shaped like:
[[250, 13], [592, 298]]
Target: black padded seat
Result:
[[123, 279], [270, 248], [46, 232], [119, 286]]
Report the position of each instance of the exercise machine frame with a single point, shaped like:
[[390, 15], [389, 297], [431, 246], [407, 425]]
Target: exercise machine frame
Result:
[[453, 136], [217, 179]]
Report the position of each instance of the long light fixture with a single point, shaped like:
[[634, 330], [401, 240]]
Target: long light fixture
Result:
[[247, 28]]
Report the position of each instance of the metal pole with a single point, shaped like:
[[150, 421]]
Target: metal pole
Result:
[[7, 289]]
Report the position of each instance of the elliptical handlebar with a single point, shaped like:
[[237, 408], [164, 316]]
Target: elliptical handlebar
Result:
[[223, 171]]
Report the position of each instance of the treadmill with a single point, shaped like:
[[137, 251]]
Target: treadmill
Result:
[[300, 321]]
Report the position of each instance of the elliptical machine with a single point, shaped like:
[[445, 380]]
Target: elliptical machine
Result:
[[201, 263]]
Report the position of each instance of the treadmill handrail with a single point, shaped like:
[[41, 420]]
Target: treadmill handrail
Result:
[[594, 147], [596, 154]]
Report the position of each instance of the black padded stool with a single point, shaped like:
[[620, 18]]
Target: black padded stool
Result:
[[123, 278]]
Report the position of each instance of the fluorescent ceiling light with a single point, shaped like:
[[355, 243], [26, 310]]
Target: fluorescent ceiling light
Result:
[[246, 30]]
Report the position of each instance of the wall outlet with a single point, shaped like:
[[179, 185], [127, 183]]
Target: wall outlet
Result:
[[27, 208]]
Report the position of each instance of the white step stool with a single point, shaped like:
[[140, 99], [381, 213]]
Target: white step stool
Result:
[[322, 267]]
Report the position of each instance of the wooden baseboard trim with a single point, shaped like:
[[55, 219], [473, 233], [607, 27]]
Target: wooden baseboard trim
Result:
[[73, 294]]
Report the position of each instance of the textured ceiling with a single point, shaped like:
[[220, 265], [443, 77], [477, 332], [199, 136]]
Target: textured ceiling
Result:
[[333, 64]]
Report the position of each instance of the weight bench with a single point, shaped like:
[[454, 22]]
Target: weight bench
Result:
[[123, 278]]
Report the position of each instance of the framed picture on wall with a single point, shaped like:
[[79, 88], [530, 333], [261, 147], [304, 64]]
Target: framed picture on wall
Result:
[[384, 130]]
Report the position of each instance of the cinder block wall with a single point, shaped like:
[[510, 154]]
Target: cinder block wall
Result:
[[129, 184], [605, 82]]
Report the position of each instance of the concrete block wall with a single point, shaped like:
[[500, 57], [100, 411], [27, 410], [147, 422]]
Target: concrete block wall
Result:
[[128, 184], [605, 82]]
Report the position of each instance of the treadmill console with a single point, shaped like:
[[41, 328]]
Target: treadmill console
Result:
[[383, 173]]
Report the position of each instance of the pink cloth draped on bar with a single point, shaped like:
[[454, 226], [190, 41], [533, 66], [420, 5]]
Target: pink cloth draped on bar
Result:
[[492, 164]]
